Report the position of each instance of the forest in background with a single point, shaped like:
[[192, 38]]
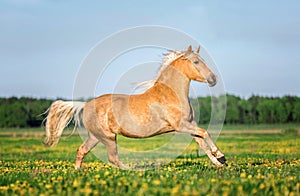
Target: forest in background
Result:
[[254, 110], [30, 112]]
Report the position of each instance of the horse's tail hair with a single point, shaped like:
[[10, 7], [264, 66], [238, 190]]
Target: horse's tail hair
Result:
[[60, 114]]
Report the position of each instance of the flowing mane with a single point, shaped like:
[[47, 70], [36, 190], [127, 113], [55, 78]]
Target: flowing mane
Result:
[[168, 58]]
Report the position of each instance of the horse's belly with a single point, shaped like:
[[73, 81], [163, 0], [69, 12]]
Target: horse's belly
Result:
[[144, 132]]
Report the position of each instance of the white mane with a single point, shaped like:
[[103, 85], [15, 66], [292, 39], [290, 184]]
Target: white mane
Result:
[[168, 58]]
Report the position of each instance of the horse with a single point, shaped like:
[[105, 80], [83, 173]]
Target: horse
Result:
[[163, 107]]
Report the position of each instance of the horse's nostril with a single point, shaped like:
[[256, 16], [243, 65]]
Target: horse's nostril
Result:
[[213, 77]]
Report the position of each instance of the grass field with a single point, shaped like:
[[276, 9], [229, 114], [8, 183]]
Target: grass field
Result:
[[258, 164]]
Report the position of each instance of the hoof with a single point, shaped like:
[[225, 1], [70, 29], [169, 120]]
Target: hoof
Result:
[[222, 160]]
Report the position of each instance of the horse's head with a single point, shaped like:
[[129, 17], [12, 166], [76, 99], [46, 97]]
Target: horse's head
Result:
[[194, 67]]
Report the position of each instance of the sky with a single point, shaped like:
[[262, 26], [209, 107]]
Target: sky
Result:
[[255, 44]]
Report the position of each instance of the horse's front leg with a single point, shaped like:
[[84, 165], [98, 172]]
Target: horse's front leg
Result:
[[200, 135], [219, 162], [214, 149]]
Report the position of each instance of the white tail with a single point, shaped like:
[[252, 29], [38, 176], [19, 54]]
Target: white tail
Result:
[[60, 115]]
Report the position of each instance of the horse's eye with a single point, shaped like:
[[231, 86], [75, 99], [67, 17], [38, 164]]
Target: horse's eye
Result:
[[196, 62]]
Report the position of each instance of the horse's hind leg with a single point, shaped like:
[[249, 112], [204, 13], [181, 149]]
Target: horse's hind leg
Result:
[[90, 143], [112, 152]]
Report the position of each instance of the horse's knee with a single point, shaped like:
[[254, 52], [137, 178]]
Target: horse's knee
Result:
[[204, 133], [201, 134]]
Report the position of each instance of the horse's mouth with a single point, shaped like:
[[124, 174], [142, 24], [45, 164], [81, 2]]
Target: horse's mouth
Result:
[[211, 84]]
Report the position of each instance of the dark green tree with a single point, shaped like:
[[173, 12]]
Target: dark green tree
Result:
[[246, 115], [296, 111], [232, 111]]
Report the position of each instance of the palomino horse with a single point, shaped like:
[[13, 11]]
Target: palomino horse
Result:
[[163, 107]]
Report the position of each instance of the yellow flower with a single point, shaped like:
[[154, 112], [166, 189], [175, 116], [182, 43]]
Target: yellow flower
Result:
[[175, 189], [243, 175], [87, 190], [141, 174], [145, 186], [60, 178], [103, 182], [254, 191], [75, 183], [240, 188], [3, 188], [106, 173], [156, 182]]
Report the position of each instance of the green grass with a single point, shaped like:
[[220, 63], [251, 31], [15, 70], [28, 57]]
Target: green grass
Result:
[[241, 127], [257, 165]]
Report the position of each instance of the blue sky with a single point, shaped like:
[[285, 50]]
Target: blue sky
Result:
[[255, 44]]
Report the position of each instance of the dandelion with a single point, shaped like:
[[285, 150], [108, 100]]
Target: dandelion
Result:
[[176, 189], [75, 183], [145, 186], [156, 182], [291, 178], [60, 178], [106, 173], [135, 184], [262, 186], [240, 188], [140, 174], [103, 182], [213, 180], [87, 190], [243, 175], [4, 188]]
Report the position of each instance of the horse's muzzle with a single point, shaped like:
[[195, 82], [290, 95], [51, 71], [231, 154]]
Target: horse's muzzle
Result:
[[212, 80]]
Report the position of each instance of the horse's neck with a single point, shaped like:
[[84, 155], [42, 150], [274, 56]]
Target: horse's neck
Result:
[[176, 81]]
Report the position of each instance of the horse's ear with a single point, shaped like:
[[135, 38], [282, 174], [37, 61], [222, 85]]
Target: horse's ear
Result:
[[189, 49], [197, 50]]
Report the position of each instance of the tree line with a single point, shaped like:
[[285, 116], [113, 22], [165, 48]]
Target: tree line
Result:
[[254, 110], [30, 112], [22, 112]]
